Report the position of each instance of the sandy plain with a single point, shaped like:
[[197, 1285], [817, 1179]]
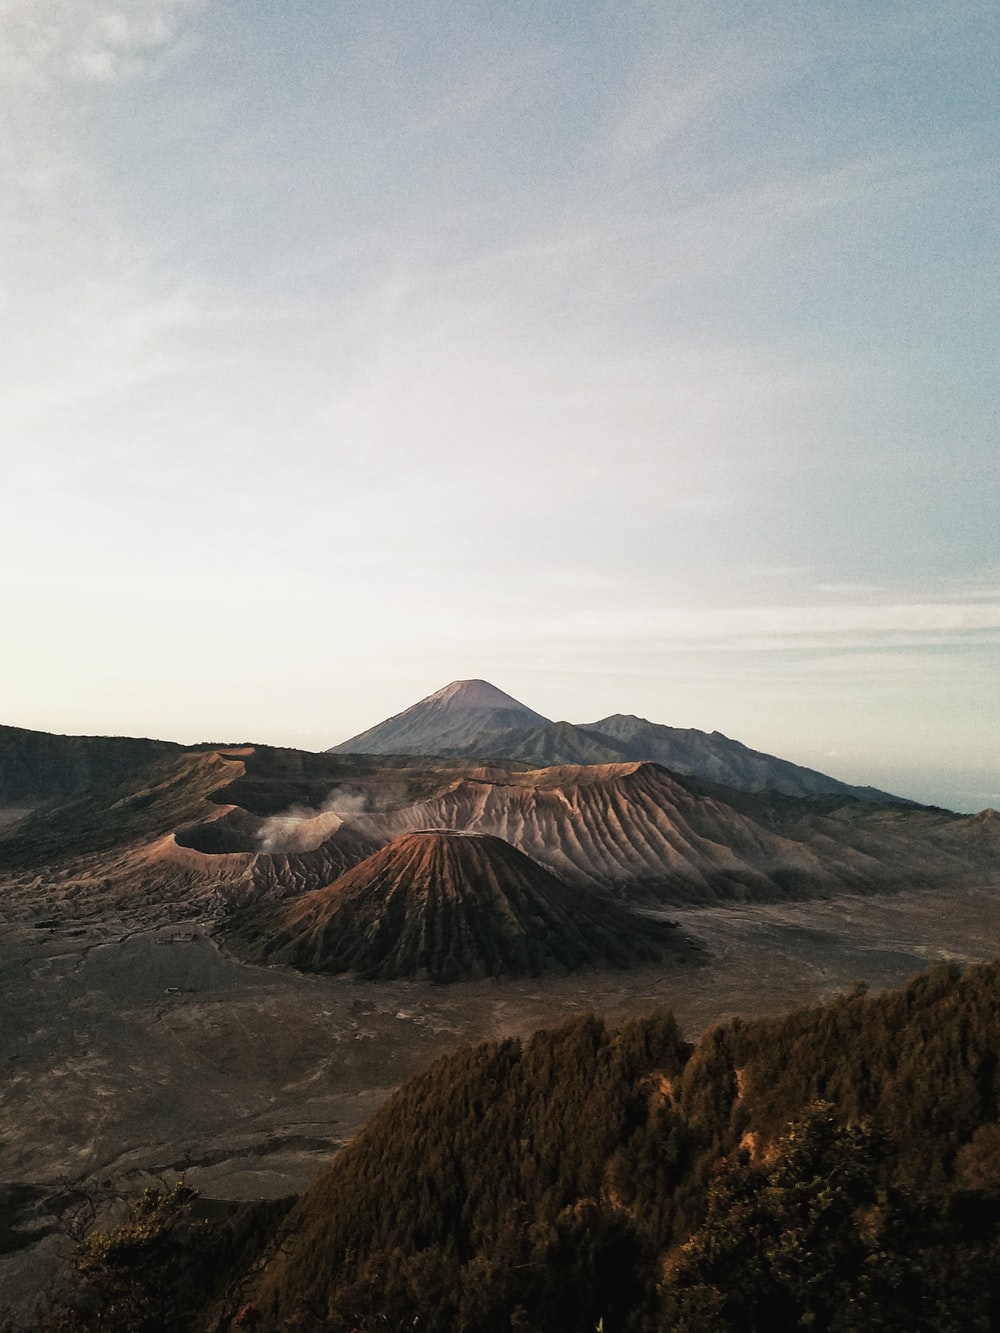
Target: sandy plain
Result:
[[133, 1046]]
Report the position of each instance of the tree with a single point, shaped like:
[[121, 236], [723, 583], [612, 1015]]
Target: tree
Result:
[[142, 1275], [813, 1240]]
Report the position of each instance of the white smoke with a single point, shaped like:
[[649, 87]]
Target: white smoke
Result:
[[302, 828]]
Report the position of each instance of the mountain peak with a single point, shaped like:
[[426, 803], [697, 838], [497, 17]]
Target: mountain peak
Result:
[[473, 694], [445, 722], [449, 904], [474, 719]]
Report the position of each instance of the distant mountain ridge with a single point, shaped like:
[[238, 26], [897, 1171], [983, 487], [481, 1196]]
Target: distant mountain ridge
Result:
[[471, 719], [38, 766]]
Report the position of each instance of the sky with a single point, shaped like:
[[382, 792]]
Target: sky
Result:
[[636, 357]]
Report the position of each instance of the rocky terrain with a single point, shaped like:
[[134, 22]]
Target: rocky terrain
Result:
[[639, 831], [446, 905], [710, 756], [227, 826]]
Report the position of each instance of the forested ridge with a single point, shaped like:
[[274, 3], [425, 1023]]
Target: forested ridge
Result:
[[835, 1168]]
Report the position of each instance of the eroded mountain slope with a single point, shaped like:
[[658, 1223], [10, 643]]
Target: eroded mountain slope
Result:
[[447, 905], [637, 829], [237, 824]]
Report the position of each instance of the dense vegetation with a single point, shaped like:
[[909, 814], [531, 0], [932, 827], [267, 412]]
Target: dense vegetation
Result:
[[159, 1267], [834, 1169]]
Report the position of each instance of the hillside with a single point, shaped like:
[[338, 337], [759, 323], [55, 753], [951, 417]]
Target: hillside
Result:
[[639, 830], [445, 906], [618, 1135], [835, 1169], [719, 759], [149, 801], [37, 766]]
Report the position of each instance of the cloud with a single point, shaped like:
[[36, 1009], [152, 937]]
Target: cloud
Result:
[[847, 589], [779, 627], [478, 88], [682, 88], [618, 632], [86, 313], [101, 41], [116, 333]]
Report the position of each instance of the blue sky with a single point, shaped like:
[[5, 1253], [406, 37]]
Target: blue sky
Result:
[[636, 357]]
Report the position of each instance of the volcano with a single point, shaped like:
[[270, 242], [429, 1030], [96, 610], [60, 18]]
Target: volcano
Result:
[[447, 906], [460, 715]]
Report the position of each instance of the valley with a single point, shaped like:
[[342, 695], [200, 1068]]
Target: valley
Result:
[[133, 1046], [218, 962]]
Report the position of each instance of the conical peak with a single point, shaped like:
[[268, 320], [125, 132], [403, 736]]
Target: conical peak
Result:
[[421, 851], [472, 694], [449, 720], [442, 904]]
